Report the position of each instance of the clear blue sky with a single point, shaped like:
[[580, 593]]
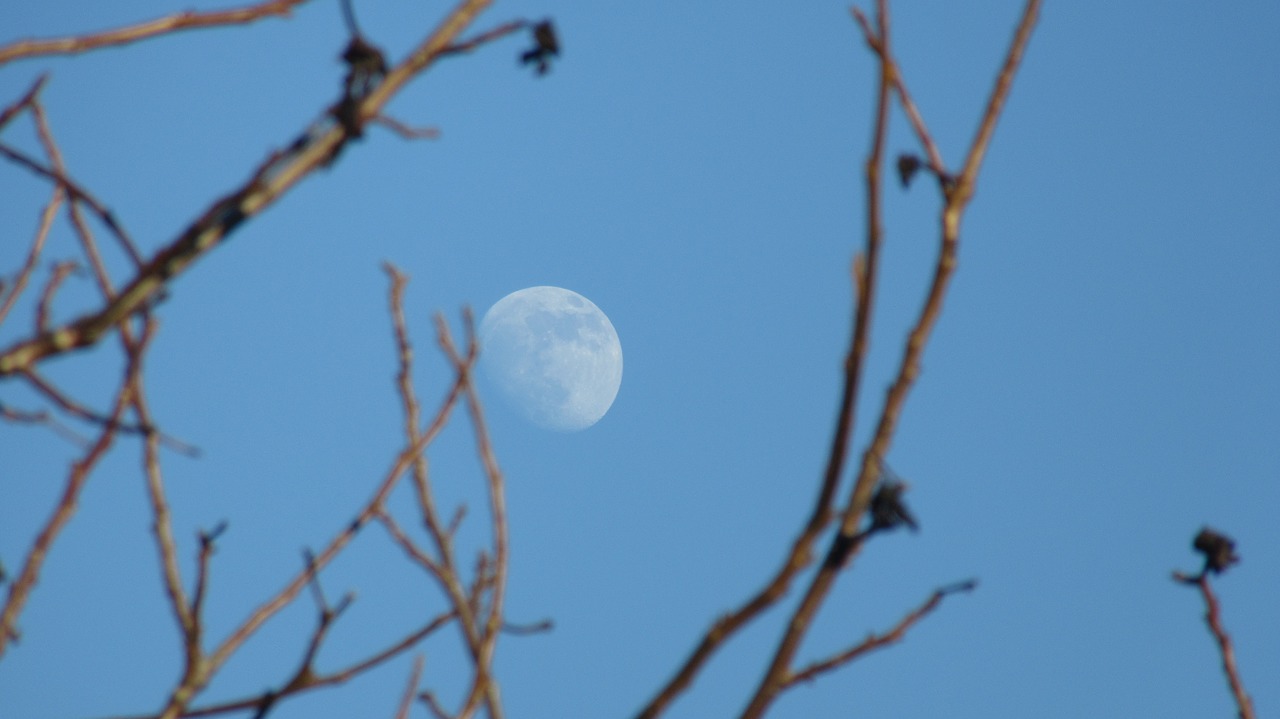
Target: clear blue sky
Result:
[[1103, 381]]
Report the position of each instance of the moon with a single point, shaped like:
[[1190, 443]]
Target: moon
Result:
[[553, 355]]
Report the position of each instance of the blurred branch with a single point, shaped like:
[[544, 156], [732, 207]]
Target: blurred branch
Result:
[[411, 688], [57, 275], [847, 541], [442, 568], [42, 417], [1219, 554], [1213, 617], [24, 102], [77, 194], [877, 641], [311, 680], [865, 272], [489, 578], [188, 20], [314, 148], [877, 40], [20, 588]]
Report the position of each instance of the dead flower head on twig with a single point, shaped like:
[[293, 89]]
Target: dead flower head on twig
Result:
[[546, 46], [1218, 549], [887, 507]]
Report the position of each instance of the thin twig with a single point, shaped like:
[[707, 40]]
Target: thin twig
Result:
[[78, 193], [484, 685], [848, 540], [43, 417], [904, 97], [162, 528], [406, 132], [133, 33], [411, 688], [70, 406], [877, 641], [20, 588], [1213, 617], [47, 216], [318, 681], [57, 275], [444, 569], [485, 37], [23, 102], [315, 148]]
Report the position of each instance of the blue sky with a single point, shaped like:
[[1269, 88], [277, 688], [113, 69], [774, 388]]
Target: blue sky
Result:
[[1102, 383]]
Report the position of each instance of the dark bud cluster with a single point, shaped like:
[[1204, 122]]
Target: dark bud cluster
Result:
[[1219, 550], [887, 508], [908, 166], [365, 69], [545, 47]]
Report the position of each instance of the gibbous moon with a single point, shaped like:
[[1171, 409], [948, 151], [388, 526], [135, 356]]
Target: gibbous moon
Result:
[[554, 355]]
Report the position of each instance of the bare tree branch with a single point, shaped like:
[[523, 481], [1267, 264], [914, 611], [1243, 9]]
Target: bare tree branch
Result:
[[315, 148], [20, 588], [188, 20], [877, 641], [848, 541]]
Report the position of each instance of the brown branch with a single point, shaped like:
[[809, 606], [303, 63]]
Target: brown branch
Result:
[[162, 529], [444, 569], [433, 705], [20, 588], [47, 216], [188, 20], [71, 407], [317, 681], [406, 701], [23, 102], [847, 541], [57, 275], [800, 554], [75, 190], [198, 675], [43, 417], [484, 685], [1213, 617], [486, 37], [995, 106], [881, 49], [405, 131], [877, 641], [313, 149]]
